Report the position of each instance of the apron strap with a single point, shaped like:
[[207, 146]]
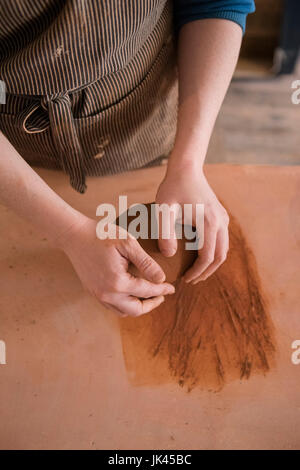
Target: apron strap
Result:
[[65, 138]]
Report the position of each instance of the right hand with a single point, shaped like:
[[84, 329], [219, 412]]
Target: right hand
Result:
[[102, 266]]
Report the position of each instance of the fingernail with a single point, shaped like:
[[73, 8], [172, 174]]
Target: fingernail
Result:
[[160, 277], [168, 253], [171, 290], [199, 280]]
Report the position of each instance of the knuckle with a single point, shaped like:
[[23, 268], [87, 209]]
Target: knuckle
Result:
[[209, 259], [221, 258], [212, 220], [123, 243], [146, 291], [141, 286], [226, 218], [224, 256], [146, 263], [130, 241], [212, 223]]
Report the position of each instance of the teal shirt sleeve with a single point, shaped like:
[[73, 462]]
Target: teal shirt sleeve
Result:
[[191, 10]]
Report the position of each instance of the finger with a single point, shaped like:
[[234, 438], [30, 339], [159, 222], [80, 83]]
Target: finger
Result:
[[133, 306], [167, 241], [206, 255], [222, 246], [142, 288], [149, 268]]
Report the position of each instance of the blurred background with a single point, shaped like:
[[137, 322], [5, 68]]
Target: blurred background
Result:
[[258, 122]]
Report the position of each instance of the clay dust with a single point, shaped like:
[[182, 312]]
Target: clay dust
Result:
[[205, 335]]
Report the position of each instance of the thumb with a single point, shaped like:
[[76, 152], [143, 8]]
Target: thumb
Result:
[[146, 265], [166, 216]]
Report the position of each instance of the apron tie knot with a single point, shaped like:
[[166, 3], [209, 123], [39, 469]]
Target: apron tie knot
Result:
[[65, 137], [55, 111]]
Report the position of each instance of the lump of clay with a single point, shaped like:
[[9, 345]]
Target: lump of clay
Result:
[[175, 266]]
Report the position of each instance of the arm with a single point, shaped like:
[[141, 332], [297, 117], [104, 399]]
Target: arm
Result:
[[23, 191], [207, 54]]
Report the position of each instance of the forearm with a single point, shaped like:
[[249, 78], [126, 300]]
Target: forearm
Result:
[[208, 50], [23, 191]]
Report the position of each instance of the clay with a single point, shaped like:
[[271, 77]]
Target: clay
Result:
[[204, 335], [173, 267]]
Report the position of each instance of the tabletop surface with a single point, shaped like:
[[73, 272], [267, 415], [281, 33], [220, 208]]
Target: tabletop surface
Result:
[[65, 384]]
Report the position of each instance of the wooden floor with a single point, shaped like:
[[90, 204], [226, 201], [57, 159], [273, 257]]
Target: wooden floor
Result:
[[258, 122]]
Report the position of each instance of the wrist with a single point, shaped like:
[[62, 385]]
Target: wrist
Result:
[[182, 165], [74, 223]]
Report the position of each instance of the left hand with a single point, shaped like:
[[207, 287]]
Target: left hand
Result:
[[189, 186]]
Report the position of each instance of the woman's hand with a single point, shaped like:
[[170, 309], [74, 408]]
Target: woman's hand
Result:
[[102, 266], [188, 185]]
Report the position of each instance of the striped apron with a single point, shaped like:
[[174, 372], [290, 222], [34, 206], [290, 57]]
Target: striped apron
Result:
[[91, 85]]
